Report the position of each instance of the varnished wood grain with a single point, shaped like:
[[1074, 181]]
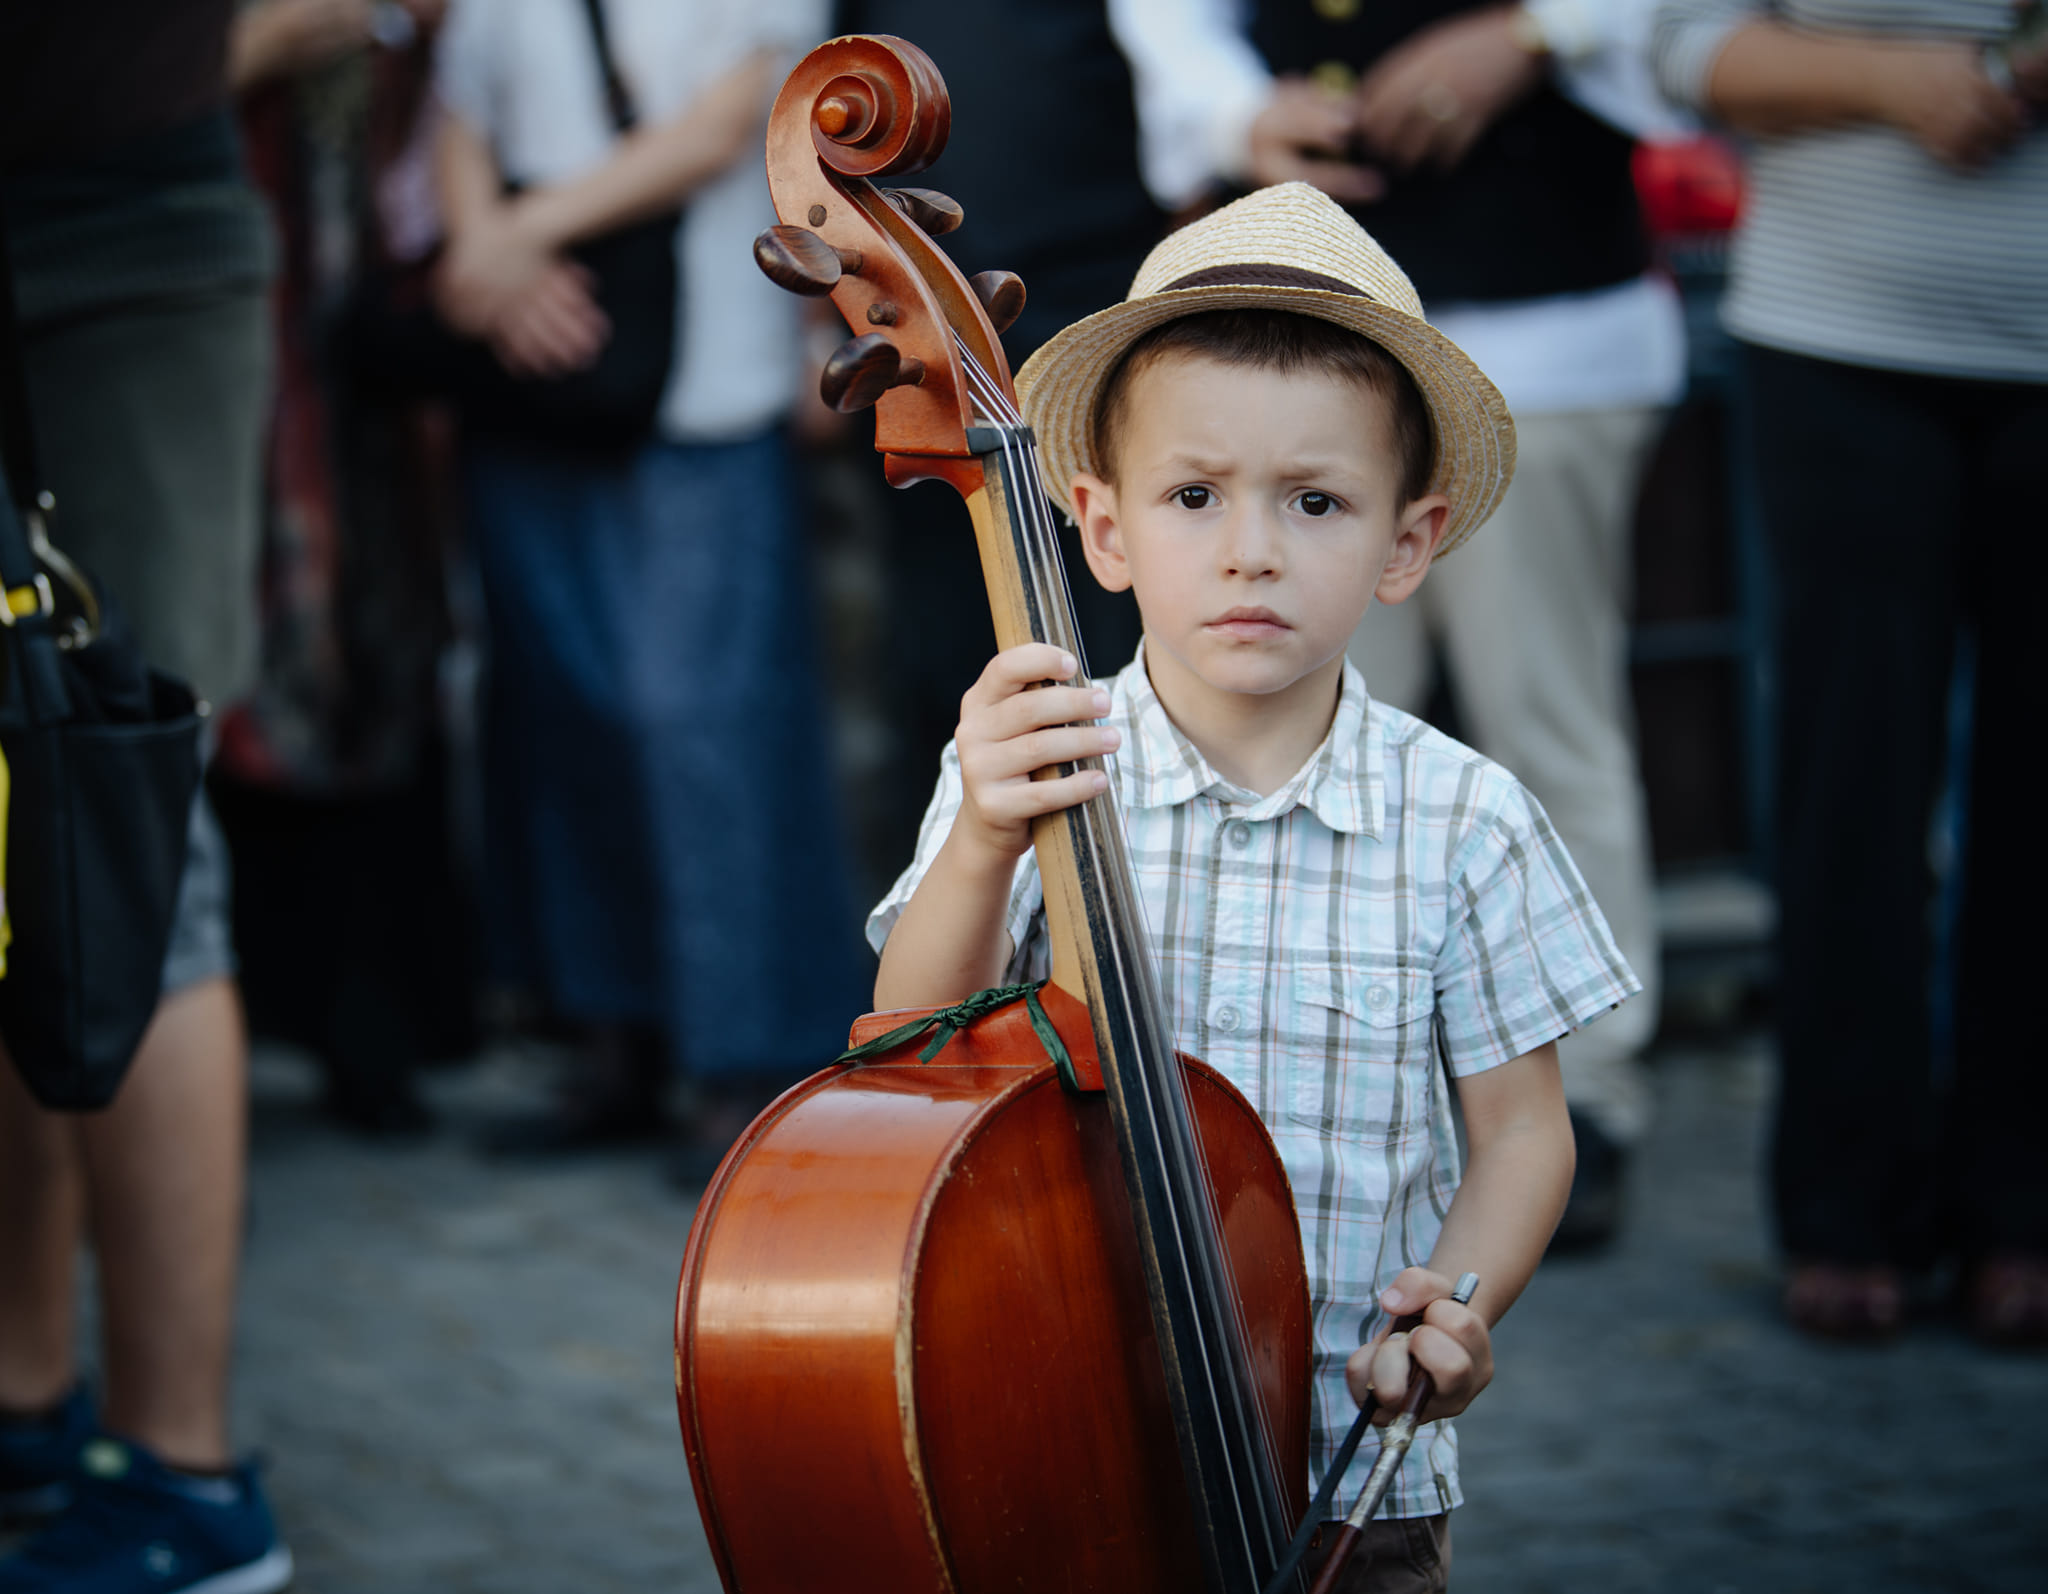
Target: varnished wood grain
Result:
[[980, 1304]]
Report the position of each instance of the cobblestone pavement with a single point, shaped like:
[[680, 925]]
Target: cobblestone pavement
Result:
[[462, 1373]]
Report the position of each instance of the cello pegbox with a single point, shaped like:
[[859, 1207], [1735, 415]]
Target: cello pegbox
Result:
[[1001, 294], [862, 370], [797, 259], [857, 111], [934, 212]]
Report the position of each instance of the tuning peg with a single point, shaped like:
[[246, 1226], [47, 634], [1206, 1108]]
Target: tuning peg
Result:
[[799, 260], [862, 371], [929, 208], [1001, 294]]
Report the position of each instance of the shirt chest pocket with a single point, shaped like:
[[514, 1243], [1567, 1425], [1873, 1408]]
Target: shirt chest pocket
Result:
[[1364, 1049]]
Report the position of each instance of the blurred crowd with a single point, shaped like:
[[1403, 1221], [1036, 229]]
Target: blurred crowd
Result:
[[403, 368]]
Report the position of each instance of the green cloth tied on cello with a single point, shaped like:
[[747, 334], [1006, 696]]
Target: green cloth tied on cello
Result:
[[949, 1021]]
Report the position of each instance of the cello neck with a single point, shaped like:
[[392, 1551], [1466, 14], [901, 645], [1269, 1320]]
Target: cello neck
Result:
[[1101, 955]]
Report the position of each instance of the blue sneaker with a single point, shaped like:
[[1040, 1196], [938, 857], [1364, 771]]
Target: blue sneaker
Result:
[[136, 1527], [37, 1458]]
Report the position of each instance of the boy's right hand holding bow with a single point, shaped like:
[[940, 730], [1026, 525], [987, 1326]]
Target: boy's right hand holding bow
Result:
[[1451, 1343], [1016, 719]]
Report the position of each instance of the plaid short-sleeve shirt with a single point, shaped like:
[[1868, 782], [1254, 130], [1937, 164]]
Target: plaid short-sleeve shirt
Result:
[[1399, 910]]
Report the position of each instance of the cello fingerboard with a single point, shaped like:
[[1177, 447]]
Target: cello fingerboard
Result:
[[1096, 924]]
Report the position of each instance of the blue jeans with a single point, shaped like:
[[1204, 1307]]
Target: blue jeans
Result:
[[662, 837]]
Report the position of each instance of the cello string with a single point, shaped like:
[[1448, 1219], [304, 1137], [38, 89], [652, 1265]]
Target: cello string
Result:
[[1164, 1089], [1051, 590]]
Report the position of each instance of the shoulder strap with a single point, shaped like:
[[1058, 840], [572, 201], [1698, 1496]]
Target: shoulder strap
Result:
[[618, 97], [24, 589], [17, 437]]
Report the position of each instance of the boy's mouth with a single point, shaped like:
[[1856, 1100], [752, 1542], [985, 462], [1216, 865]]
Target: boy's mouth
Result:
[[1249, 625]]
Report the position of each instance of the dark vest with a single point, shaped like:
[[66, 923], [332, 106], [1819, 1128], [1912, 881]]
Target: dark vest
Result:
[[1542, 203], [1044, 149]]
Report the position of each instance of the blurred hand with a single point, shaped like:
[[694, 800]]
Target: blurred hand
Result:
[[1304, 135], [282, 38], [1425, 101], [1451, 1344], [489, 264], [1938, 96], [552, 327]]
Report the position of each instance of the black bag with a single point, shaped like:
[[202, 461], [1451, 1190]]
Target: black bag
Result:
[[103, 758], [397, 347]]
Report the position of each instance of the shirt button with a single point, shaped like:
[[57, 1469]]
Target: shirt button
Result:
[[1224, 1018], [1239, 833], [1378, 997]]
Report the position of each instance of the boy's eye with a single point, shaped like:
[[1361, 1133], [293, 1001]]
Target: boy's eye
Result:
[[1194, 497], [1316, 504]]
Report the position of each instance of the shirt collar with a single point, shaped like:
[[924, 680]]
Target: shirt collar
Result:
[[1342, 782]]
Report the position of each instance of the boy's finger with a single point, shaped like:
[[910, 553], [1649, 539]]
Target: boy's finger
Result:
[[1015, 758], [1413, 1289], [1391, 1365], [1015, 668], [1030, 798], [1025, 712], [1442, 1356]]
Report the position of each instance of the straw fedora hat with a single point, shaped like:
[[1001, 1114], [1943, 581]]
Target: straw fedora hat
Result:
[[1289, 247]]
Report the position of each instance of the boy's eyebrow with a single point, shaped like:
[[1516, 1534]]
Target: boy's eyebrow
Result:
[[1181, 459], [1307, 466]]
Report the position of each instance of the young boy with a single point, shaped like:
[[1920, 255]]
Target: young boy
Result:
[[1344, 904]]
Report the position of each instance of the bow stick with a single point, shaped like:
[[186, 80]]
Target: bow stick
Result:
[[1393, 1451]]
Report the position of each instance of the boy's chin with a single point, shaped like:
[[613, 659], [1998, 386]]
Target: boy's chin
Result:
[[1261, 674]]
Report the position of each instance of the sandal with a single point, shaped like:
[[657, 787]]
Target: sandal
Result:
[[2007, 1301], [1845, 1301]]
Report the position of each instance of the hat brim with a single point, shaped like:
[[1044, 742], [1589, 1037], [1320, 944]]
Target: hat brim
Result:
[[1473, 432]]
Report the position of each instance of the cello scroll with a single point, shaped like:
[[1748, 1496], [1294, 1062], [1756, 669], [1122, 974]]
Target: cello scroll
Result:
[[855, 110]]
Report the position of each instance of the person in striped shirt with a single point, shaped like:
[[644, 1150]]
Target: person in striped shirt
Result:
[[1353, 914]]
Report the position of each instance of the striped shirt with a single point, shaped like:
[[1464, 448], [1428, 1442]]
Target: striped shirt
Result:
[[1858, 245], [1399, 908]]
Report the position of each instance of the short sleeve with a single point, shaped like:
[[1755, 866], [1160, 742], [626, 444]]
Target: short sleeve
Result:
[[1687, 37], [1024, 918], [786, 26], [465, 63], [1527, 956]]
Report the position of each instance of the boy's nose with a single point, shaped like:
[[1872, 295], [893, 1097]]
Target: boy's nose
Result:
[[1251, 545]]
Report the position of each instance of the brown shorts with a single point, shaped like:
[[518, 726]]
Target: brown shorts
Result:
[[1403, 1555]]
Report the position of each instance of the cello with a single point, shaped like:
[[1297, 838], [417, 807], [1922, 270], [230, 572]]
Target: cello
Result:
[[1022, 1306]]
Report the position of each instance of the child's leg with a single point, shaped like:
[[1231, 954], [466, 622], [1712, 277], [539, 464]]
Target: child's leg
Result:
[[1402, 1555]]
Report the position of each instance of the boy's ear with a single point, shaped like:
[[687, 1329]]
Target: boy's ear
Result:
[[1420, 529], [1101, 534]]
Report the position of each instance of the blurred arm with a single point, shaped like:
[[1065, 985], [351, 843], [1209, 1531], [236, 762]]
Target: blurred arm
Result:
[[1599, 52], [1763, 77], [281, 38], [1199, 84], [653, 167]]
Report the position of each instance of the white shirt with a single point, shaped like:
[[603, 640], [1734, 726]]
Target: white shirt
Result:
[[1200, 83], [524, 74]]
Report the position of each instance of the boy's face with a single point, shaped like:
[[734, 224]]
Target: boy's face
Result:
[[1256, 514]]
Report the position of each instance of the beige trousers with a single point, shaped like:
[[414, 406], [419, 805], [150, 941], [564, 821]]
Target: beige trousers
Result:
[[1532, 619]]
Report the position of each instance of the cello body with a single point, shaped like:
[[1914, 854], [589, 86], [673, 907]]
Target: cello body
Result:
[[914, 1349]]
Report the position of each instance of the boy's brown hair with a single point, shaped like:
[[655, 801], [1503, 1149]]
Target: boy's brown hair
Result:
[[1275, 340]]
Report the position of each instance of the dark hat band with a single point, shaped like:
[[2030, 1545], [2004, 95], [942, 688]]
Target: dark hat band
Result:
[[1256, 275]]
